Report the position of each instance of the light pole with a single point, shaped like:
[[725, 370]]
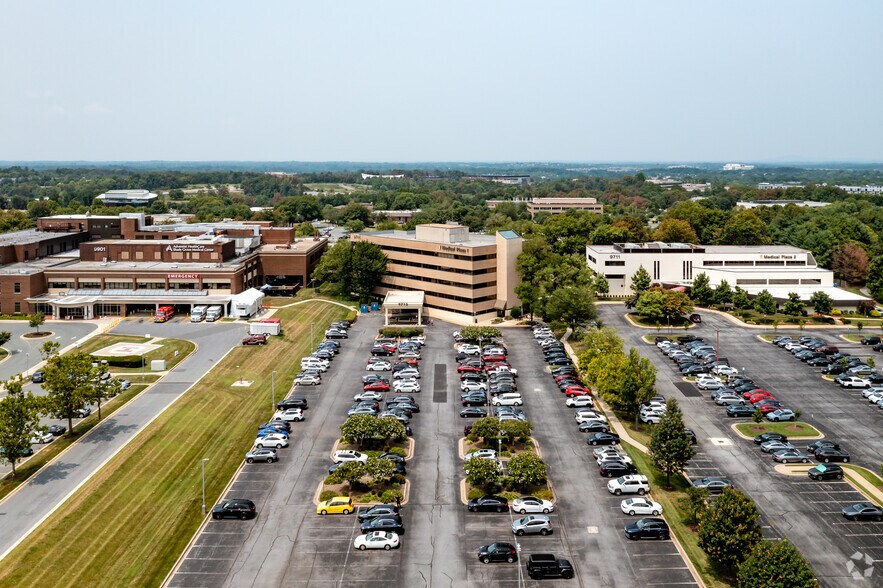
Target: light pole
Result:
[[311, 333], [273, 387], [202, 464], [717, 339]]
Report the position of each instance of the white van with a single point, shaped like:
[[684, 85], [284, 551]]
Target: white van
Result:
[[214, 313], [197, 314]]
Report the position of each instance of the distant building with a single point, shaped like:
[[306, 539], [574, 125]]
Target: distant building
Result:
[[757, 203], [781, 186], [553, 205], [670, 182], [862, 189], [398, 216], [511, 180], [385, 177], [280, 174], [127, 197], [465, 277], [737, 167]]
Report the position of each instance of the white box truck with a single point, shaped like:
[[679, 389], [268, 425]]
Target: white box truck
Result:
[[197, 314], [214, 312], [246, 304]]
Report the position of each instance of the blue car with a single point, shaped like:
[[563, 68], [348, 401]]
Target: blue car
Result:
[[267, 431]]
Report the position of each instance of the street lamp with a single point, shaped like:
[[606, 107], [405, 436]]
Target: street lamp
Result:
[[273, 387], [202, 464]]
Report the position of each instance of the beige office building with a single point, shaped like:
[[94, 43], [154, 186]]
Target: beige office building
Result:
[[466, 277]]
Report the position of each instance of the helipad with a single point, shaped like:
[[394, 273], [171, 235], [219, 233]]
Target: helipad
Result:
[[125, 349]]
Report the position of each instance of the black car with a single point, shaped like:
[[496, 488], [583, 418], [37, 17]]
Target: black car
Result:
[[292, 402], [602, 439], [863, 511], [593, 427], [473, 412], [764, 437], [235, 508], [870, 340], [390, 523], [647, 528], [371, 378], [474, 401], [376, 511], [691, 435], [740, 410], [547, 565], [38, 377], [496, 552], [825, 472], [829, 455], [822, 444], [614, 469], [381, 352], [56, 430], [694, 369], [878, 347], [392, 457], [488, 504], [560, 361]]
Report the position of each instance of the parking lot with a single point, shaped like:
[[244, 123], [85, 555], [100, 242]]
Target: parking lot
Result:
[[804, 511], [289, 545]]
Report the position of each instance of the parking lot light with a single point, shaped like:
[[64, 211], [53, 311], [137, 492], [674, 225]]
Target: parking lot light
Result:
[[273, 387], [202, 464]]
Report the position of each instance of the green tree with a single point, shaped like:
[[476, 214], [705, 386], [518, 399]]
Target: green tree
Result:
[[728, 530], [875, 278], [360, 428], [379, 470], [102, 388], [49, 349], [723, 294], [36, 320], [701, 291], [571, 305], [5, 336], [821, 303], [598, 343], [744, 228], [672, 230], [19, 419], [601, 284], [69, 381], [352, 268], [776, 564], [757, 417], [670, 448], [694, 503], [651, 304], [794, 306], [351, 472], [636, 381], [368, 267], [640, 282], [740, 299], [526, 470], [481, 472], [764, 303], [354, 212]]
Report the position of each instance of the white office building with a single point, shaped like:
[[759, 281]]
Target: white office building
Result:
[[780, 269]]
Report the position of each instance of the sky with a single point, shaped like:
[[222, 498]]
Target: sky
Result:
[[460, 80]]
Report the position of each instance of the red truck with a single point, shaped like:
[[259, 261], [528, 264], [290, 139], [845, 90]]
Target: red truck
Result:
[[164, 313]]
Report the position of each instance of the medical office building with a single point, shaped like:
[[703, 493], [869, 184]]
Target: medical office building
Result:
[[779, 269], [84, 266]]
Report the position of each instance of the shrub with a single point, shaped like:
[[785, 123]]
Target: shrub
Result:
[[544, 494], [397, 479], [333, 479], [398, 451], [515, 312], [475, 493], [389, 496], [510, 496], [400, 332], [836, 312], [369, 497], [327, 495]]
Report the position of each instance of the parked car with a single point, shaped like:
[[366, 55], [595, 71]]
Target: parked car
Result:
[[603, 439], [377, 510], [790, 456], [377, 540], [56, 430], [829, 455], [259, 339], [488, 504], [783, 414], [547, 565], [307, 380], [647, 528], [714, 484], [336, 505], [38, 437], [740, 411], [38, 377], [274, 440], [825, 472], [632, 484], [388, 523], [764, 437], [234, 508], [535, 524], [532, 504], [473, 412], [343, 455], [266, 455], [640, 506], [290, 414], [497, 552], [863, 511]]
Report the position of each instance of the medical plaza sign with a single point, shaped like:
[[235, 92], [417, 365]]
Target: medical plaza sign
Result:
[[188, 247]]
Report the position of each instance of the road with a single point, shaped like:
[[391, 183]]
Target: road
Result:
[[27, 507], [807, 516], [24, 354], [289, 545]]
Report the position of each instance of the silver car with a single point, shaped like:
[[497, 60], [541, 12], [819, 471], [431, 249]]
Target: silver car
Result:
[[728, 400], [267, 455], [532, 525]]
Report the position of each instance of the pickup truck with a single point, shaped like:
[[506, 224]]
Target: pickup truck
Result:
[[259, 339]]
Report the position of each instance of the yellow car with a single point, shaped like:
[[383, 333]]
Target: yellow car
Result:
[[337, 505]]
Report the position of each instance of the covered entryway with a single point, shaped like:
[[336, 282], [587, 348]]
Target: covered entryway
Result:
[[402, 307]]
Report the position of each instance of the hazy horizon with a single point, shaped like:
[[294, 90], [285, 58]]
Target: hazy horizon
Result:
[[641, 82]]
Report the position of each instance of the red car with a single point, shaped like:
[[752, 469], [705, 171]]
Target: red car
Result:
[[259, 339], [766, 408], [572, 391], [758, 397], [376, 387], [489, 358], [755, 392], [468, 368], [409, 360]]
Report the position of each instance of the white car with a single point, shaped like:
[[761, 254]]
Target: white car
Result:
[[725, 370], [507, 399], [584, 415], [482, 453], [405, 374], [368, 395], [377, 540], [578, 401], [651, 418], [41, 437], [632, 484], [468, 349], [640, 506], [854, 382], [875, 398], [378, 366], [307, 380], [532, 504], [611, 454], [872, 390], [314, 359], [273, 440], [472, 386], [345, 455], [502, 369], [406, 386], [289, 414]]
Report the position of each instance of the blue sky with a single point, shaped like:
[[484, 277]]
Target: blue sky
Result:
[[473, 80]]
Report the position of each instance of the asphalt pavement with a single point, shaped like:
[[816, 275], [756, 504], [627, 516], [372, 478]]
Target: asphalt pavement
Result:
[[24, 353], [44, 492], [807, 514]]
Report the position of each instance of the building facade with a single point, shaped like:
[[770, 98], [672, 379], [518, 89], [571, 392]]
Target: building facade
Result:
[[82, 266], [779, 269], [466, 278], [552, 205]]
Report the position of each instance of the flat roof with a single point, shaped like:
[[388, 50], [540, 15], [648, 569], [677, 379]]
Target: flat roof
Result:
[[298, 246], [404, 298], [163, 266], [29, 236], [688, 247], [475, 239]]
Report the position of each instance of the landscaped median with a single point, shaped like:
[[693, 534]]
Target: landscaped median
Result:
[[373, 482], [130, 522], [792, 430]]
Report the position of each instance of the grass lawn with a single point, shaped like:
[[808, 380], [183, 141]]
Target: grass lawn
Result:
[[3, 354], [795, 429], [675, 514], [661, 326], [640, 432], [142, 378], [166, 351], [306, 294], [101, 341], [30, 467], [110, 533], [875, 480]]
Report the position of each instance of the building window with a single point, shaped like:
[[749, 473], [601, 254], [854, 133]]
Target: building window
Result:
[[811, 282], [85, 284], [614, 262], [592, 259], [117, 286], [18, 308], [783, 281], [712, 263], [615, 276], [124, 255], [739, 263], [152, 285], [177, 255], [796, 263], [656, 270], [67, 285], [139, 255], [750, 282], [759, 263], [17, 288]]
